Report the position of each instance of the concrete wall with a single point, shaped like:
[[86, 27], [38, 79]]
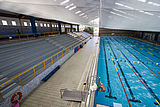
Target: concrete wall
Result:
[[28, 88], [150, 36], [116, 32]]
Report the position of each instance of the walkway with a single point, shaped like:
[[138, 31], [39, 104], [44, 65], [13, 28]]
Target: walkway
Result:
[[71, 75]]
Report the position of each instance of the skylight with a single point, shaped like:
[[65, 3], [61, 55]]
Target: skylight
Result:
[[64, 2], [72, 8]]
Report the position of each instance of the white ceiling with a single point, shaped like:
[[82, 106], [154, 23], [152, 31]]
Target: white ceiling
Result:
[[130, 14], [53, 9], [115, 14]]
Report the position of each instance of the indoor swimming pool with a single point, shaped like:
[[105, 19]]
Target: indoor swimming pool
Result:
[[129, 69]]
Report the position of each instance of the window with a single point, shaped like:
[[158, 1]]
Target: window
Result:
[[52, 25], [57, 25], [13, 23], [36, 24], [29, 24], [25, 23], [4, 22], [41, 24], [48, 25], [44, 25]]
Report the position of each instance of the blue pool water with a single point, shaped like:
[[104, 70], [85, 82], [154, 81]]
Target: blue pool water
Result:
[[138, 66]]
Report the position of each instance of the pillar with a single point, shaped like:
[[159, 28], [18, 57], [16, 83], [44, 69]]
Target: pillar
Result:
[[77, 28], [71, 28], [32, 20], [59, 27]]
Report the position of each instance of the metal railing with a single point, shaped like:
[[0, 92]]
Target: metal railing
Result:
[[91, 77], [27, 35], [87, 103], [58, 55]]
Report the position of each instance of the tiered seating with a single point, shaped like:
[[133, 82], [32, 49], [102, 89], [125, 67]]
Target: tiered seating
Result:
[[80, 35], [16, 58], [62, 41], [73, 34]]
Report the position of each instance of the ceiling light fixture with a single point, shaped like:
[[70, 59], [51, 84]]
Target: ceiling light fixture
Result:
[[120, 11], [142, 1], [85, 16], [145, 12], [82, 14], [64, 2], [77, 12], [69, 5], [148, 13], [123, 12], [152, 3], [121, 15], [72, 8], [119, 4]]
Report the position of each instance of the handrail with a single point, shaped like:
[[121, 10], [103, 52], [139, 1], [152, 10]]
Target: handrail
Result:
[[28, 34], [87, 103], [43, 62], [91, 82], [88, 74]]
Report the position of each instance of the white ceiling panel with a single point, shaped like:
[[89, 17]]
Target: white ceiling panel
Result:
[[63, 10], [115, 14], [130, 14]]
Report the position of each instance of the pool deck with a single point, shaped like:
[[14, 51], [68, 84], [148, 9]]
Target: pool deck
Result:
[[71, 75]]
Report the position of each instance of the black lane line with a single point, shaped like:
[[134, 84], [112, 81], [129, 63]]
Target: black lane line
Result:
[[130, 91], [143, 55], [147, 86], [108, 80], [138, 59], [143, 43], [154, 50], [143, 49], [127, 59]]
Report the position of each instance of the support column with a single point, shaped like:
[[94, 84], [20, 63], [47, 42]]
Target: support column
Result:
[[32, 20], [142, 35], [77, 28], [59, 27], [21, 26], [156, 37], [71, 28], [50, 26]]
